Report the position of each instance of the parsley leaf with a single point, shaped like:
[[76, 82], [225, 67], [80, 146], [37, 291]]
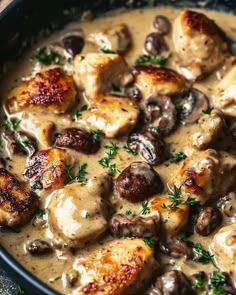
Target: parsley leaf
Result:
[[96, 134], [218, 279], [176, 157], [145, 208], [153, 59], [128, 149], [80, 175], [191, 201], [10, 124], [203, 255], [79, 113], [149, 242], [48, 56], [68, 168], [208, 111], [115, 88], [106, 50], [105, 162], [128, 212], [199, 283], [41, 212], [175, 199]]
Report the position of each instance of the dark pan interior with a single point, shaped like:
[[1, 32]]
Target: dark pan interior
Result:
[[20, 25]]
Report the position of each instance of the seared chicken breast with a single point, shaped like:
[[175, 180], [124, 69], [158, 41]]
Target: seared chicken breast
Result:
[[46, 169], [206, 175], [223, 247], [114, 116], [116, 39], [173, 220], [49, 91], [17, 205], [84, 210], [152, 81], [199, 43], [225, 94], [121, 267], [97, 73]]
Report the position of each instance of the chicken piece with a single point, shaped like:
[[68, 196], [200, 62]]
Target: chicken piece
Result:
[[46, 169], [97, 73], [114, 116], [41, 129], [211, 126], [154, 81], [121, 267], [206, 175], [224, 96], [115, 39], [173, 220], [84, 210], [17, 205], [223, 247], [51, 91], [199, 43]]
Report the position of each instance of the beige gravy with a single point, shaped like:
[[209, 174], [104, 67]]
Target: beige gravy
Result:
[[50, 268]]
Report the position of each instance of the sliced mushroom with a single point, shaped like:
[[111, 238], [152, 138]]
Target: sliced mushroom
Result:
[[149, 144], [191, 106], [176, 249], [161, 113], [39, 247], [138, 182], [162, 24]]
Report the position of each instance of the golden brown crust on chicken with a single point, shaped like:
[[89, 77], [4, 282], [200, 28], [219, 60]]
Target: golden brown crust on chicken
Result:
[[159, 81], [206, 175], [46, 169], [199, 43], [119, 267], [114, 116], [48, 91], [173, 220], [17, 205], [95, 73]]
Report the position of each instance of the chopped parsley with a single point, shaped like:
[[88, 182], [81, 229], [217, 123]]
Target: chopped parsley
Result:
[[149, 242], [203, 255], [105, 161], [48, 56], [96, 134], [128, 212], [86, 216], [68, 168], [145, 208], [199, 283], [37, 184], [176, 157], [41, 212], [52, 280], [79, 113], [208, 111], [153, 59], [128, 149], [26, 143], [191, 201], [57, 134], [80, 175], [175, 199], [218, 279], [10, 124], [106, 50]]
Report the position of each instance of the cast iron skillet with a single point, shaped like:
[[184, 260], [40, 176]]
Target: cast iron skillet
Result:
[[20, 24]]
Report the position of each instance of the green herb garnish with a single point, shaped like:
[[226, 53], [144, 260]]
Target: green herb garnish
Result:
[[145, 208], [207, 111], [176, 157], [68, 169], [175, 199], [116, 88], [203, 255], [105, 162], [153, 59], [198, 284], [48, 56], [79, 113], [128, 212], [106, 50], [149, 242], [80, 175], [10, 124], [191, 201], [41, 212], [96, 134], [128, 149]]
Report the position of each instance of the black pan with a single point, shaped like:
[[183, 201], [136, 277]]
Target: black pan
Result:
[[20, 25]]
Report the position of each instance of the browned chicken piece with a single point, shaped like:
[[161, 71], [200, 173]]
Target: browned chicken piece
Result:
[[115, 39], [206, 175], [152, 81], [48, 91], [210, 128], [84, 210], [46, 169], [223, 247], [98, 73], [173, 220], [199, 43], [113, 115], [225, 94], [119, 267], [17, 205]]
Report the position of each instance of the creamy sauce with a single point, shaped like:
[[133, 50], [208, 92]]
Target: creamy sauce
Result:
[[50, 268]]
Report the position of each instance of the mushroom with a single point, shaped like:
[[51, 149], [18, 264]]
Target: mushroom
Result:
[[155, 44], [176, 249], [191, 106], [149, 144], [161, 113]]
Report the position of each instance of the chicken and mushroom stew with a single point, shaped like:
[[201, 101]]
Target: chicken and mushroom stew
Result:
[[118, 155]]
